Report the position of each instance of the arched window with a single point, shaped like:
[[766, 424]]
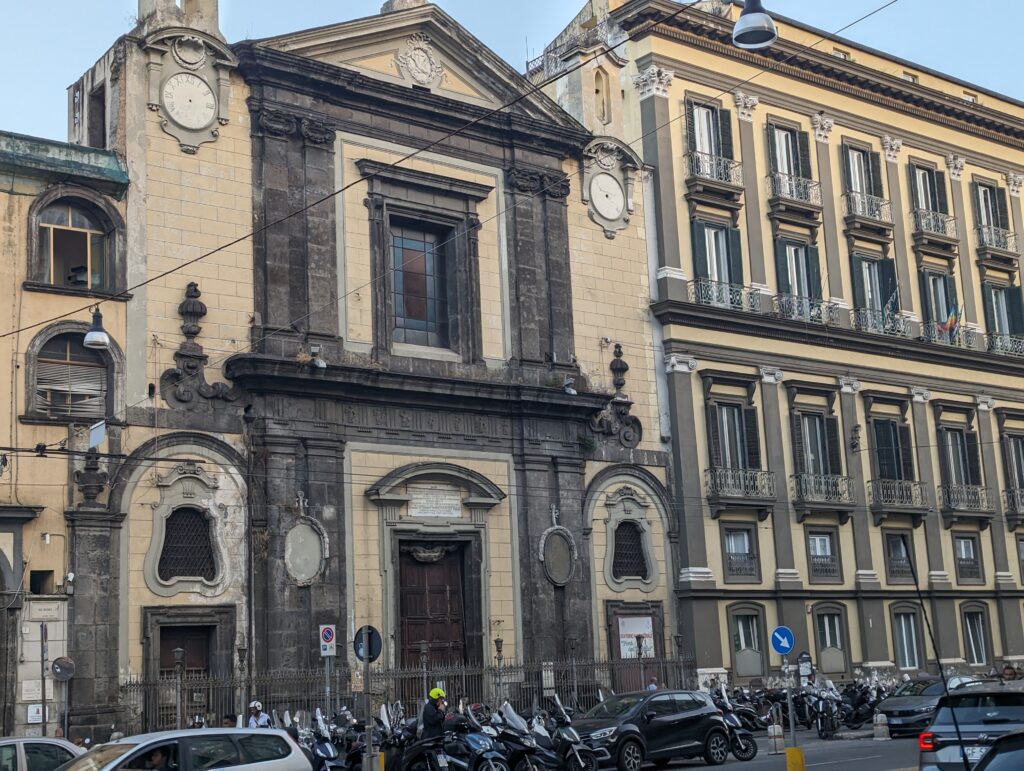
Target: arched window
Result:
[[746, 627], [73, 246], [630, 559], [602, 96], [71, 380], [188, 547]]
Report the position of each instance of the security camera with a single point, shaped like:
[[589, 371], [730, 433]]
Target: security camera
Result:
[[70, 578]]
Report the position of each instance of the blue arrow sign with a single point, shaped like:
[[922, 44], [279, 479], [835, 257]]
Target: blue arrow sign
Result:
[[782, 640]]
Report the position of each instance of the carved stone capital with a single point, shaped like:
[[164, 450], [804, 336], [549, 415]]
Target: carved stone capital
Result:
[[1014, 182], [316, 132], [676, 363], [557, 186], [985, 403], [654, 81], [822, 127], [955, 164], [745, 105], [892, 147], [525, 180], [849, 385], [920, 394], [771, 375], [277, 123]]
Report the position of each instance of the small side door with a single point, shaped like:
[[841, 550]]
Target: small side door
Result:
[[45, 756], [655, 722]]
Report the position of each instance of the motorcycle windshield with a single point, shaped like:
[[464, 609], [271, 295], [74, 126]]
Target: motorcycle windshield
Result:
[[513, 719], [561, 709]]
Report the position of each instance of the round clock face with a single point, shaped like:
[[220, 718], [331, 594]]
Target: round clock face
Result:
[[607, 197], [189, 100]]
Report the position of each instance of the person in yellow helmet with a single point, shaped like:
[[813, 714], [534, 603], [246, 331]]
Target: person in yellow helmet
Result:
[[433, 714]]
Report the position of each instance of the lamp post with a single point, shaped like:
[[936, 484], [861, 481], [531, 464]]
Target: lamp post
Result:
[[179, 671], [498, 660], [755, 29], [96, 337], [424, 650]]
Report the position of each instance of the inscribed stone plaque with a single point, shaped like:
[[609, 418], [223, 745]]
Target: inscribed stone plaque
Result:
[[31, 690], [44, 611], [434, 500]]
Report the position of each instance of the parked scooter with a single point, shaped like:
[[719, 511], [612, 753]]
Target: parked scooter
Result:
[[468, 746], [827, 708], [559, 744], [403, 751], [741, 741], [515, 738]]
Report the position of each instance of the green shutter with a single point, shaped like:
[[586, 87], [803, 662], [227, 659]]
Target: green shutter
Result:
[[951, 300], [912, 179], [725, 133], [735, 256], [973, 458], [751, 440], [1004, 214], [940, 191], [975, 208], [691, 132], [906, 452], [814, 272], [714, 440], [876, 174], [835, 451], [799, 461], [988, 297], [803, 143], [781, 266], [1015, 309], [888, 282], [844, 156], [926, 297], [771, 148], [857, 273], [700, 249]]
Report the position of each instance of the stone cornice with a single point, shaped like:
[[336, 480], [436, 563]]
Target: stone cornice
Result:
[[822, 69]]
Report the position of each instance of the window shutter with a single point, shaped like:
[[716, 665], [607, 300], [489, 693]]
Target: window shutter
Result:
[[844, 156], [926, 297], [974, 204], [804, 144], [835, 452], [973, 457], [906, 452], [735, 256], [943, 442], [814, 272], [725, 133], [700, 249], [772, 159], [876, 174], [70, 390], [988, 300], [691, 130], [751, 438], [798, 443], [912, 179], [714, 439], [940, 191], [1004, 214], [1015, 309], [877, 447], [888, 282], [951, 291], [857, 274], [781, 266], [1009, 474]]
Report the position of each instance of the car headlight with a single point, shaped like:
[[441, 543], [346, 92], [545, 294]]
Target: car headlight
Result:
[[929, 708], [604, 733]]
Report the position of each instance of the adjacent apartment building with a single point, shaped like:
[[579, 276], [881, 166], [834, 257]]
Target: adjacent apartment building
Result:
[[836, 272]]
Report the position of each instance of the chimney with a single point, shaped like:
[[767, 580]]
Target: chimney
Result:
[[156, 14], [202, 15], [401, 5]]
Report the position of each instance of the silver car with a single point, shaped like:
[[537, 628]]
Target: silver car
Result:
[[196, 750], [35, 754]]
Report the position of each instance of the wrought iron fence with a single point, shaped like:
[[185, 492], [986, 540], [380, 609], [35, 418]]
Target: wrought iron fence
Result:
[[807, 309], [958, 335], [934, 222], [169, 702], [965, 497], [740, 482], [722, 295], [879, 322], [715, 167], [823, 488], [553, 62], [868, 206], [997, 238], [896, 492], [794, 188], [1007, 345]]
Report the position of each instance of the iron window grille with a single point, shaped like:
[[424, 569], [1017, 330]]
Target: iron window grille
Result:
[[629, 559], [188, 547]]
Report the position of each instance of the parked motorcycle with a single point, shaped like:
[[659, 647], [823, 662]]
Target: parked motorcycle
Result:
[[469, 746], [515, 738], [827, 708], [559, 746], [403, 750], [741, 741]]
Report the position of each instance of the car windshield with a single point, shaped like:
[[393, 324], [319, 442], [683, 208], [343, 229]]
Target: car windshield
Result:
[[919, 687], [614, 707], [983, 709], [98, 757]]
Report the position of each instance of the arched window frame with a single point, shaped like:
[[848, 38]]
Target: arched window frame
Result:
[[919, 630], [208, 524], [113, 357], [835, 608], [747, 609], [602, 96], [976, 606], [100, 208], [627, 503]]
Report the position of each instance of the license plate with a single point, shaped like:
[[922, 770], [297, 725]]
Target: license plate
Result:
[[974, 753], [442, 761]]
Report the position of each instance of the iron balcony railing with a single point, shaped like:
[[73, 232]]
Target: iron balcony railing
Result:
[[1014, 500], [552, 61], [900, 567], [740, 483], [968, 567], [824, 566], [823, 488], [794, 188], [878, 322], [723, 295], [715, 167], [797, 308], [965, 498], [958, 336], [997, 238], [1006, 345], [868, 206], [896, 492], [934, 222], [741, 564]]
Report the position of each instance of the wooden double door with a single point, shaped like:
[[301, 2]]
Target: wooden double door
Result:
[[432, 604]]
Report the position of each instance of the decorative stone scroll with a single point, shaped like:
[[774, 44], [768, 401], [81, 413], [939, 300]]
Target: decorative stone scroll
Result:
[[614, 419]]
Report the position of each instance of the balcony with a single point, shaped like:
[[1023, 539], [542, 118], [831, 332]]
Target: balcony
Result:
[[897, 496], [878, 322], [796, 200], [736, 297], [714, 179], [960, 503], [935, 232], [739, 488], [968, 568], [824, 566], [806, 309], [823, 492], [900, 569], [742, 566], [958, 337], [1005, 345], [868, 216], [1013, 503], [998, 243]]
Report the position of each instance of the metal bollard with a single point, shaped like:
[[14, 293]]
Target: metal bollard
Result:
[[881, 728], [776, 740]]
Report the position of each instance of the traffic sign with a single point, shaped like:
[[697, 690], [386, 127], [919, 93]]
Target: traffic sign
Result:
[[805, 665], [782, 640], [328, 640], [375, 643]]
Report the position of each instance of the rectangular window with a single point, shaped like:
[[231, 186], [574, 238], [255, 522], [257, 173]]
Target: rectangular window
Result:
[[730, 436], [745, 633], [815, 443], [820, 544], [1015, 446], [829, 635], [857, 170], [905, 633], [839, 53], [873, 299], [887, 449], [910, 77], [924, 185], [785, 150], [988, 214], [938, 296], [718, 256], [974, 637], [420, 293], [740, 556], [821, 551], [954, 449], [898, 557], [1000, 311], [799, 275], [969, 97], [968, 559], [705, 126]]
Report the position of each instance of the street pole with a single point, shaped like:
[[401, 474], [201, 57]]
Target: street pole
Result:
[[42, 670], [327, 684], [789, 701], [368, 761]]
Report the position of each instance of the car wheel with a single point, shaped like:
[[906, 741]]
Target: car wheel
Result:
[[716, 749], [631, 756]]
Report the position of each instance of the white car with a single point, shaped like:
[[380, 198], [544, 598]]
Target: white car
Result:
[[196, 750], [35, 754]]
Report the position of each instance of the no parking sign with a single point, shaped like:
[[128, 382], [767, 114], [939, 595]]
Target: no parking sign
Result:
[[328, 640]]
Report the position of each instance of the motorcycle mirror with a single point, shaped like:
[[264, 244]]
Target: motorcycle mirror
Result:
[[287, 719]]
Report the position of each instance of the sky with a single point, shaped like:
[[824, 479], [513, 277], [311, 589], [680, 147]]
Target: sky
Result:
[[43, 51]]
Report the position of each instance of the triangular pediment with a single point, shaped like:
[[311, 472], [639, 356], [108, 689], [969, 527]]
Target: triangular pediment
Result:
[[423, 48]]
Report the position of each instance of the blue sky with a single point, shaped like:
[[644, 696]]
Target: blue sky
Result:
[[41, 53]]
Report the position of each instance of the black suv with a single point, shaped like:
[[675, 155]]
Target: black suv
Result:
[[984, 713], [655, 725]]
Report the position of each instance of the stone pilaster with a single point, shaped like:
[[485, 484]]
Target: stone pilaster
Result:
[[745, 106], [822, 133], [955, 166], [906, 268]]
